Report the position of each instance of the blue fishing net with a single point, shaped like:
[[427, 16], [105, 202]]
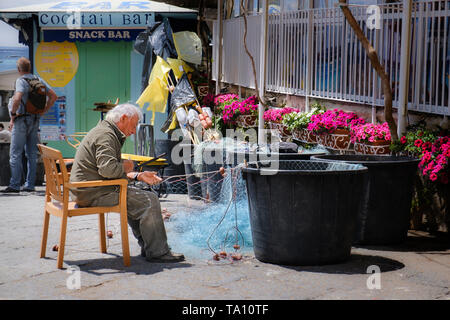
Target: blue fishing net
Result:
[[222, 223], [218, 226]]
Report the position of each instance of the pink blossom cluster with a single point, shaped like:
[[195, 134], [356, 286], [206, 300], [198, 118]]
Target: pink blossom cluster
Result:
[[222, 98], [330, 120], [231, 111], [370, 132], [276, 114], [434, 158]]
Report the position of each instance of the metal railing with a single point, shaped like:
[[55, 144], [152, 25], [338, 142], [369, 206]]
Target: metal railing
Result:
[[340, 68]]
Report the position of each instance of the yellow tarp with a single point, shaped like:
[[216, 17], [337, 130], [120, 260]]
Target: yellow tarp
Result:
[[156, 95], [160, 70], [179, 66]]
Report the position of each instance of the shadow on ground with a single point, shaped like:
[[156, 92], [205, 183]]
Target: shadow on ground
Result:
[[139, 265], [356, 264]]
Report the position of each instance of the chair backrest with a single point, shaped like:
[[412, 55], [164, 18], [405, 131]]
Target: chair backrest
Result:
[[77, 137], [55, 172]]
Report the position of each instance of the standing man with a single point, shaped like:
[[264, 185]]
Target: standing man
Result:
[[98, 158], [25, 127]]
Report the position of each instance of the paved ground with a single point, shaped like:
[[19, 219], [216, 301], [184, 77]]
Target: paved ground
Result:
[[417, 269]]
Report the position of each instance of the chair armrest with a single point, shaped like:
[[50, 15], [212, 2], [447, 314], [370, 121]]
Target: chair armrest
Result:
[[98, 183]]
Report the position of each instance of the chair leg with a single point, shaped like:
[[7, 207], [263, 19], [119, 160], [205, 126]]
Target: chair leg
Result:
[[101, 222], [62, 242], [44, 233], [124, 236]]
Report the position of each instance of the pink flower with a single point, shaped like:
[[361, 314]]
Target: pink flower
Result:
[[418, 143]]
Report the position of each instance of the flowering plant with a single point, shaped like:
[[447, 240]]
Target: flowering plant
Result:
[[331, 120], [434, 159], [300, 120], [237, 108], [276, 114], [222, 100], [433, 149], [370, 132]]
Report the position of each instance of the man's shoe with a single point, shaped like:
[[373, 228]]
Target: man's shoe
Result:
[[10, 190], [28, 190], [168, 258], [143, 253]]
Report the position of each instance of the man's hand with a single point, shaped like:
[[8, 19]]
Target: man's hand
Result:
[[149, 177], [128, 166], [11, 123]]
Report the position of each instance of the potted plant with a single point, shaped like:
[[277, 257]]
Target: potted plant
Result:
[[274, 117], [297, 123], [241, 113], [333, 126], [432, 188], [371, 138]]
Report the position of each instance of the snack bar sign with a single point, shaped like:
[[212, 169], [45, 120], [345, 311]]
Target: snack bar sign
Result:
[[91, 35], [77, 19]]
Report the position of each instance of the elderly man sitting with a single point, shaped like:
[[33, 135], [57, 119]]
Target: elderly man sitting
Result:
[[99, 157]]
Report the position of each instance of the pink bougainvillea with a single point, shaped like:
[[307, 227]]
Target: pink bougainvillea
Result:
[[276, 114], [370, 132], [331, 120], [434, 159]]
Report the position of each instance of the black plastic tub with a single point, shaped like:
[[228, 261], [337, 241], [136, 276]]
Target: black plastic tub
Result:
[[235, 158], [385, 216], [304, 212]]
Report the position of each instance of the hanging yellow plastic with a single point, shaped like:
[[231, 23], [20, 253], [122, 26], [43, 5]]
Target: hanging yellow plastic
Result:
[[179, 66], [160, 70], [156, 95], [188, 46]]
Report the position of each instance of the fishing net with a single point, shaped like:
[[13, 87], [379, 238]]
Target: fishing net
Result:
[[215, 218]]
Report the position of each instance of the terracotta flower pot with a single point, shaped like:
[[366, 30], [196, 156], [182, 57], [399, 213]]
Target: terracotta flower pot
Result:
[[338, 140], [377, 147], [247, 121], [304, 135]]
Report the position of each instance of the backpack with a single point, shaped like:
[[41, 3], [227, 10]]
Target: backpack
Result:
[[37, 96]]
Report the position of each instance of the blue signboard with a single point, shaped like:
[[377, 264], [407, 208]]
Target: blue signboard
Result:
[[77, 19]]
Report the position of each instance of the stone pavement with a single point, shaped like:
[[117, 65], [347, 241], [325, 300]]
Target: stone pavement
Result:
[[417, 269]]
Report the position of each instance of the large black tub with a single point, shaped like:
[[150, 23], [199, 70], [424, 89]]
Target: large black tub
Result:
[[278, 151], [304, 212], [385, 215]]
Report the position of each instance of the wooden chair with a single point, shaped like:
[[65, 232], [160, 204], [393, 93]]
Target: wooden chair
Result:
[[57, 203]]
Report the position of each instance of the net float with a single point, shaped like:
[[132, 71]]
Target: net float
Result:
[[223, 254], [236, 247], [55, 247], [222, 171], [216, 257], [109, 234], [236, 256]]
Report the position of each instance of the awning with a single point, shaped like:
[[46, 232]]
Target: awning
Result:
[[33, 6], [8, 79]]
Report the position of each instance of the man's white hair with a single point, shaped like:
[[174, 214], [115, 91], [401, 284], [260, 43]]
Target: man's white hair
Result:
[[118, 111]]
